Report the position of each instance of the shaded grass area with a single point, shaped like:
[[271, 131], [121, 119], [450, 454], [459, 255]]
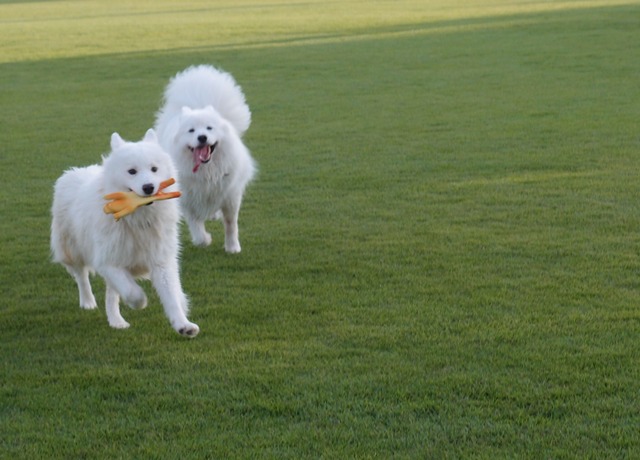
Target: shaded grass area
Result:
[[439, 254]]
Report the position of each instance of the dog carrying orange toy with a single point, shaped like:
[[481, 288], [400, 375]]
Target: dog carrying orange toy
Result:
[[125, 203]]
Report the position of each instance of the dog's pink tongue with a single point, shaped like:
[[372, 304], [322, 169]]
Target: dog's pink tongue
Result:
[[200, 155]]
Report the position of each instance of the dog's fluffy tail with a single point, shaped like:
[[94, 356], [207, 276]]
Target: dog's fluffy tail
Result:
[[200, 86]]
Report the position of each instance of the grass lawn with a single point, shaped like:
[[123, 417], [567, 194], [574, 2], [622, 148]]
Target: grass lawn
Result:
[[440, 252]]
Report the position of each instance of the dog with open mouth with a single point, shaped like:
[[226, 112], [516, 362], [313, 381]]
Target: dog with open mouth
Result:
[[201, 125]]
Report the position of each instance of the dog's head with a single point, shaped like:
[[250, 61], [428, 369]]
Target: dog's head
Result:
[[200, 133], [136, 166]]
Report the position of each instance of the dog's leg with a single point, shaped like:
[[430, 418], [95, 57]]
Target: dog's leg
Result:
[[112, 304], [166, 281], [230, 213], [125, 285], [81, 275], [199, 235]]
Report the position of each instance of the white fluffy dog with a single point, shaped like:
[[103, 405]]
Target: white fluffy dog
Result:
[[143, 244], [201, 126]]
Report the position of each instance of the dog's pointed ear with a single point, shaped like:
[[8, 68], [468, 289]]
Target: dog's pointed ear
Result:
[[150, 136], [186, 110], [116, 141]]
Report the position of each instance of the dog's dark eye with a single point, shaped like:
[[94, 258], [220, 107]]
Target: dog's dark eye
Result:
[[209, 128], [154, 169], [192, 130], [132, 172]]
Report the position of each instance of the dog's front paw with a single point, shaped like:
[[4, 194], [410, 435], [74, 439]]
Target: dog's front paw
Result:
[[89, 303], [137, 299], [201, 240], [188, 330], [232, 247], [118, 323]]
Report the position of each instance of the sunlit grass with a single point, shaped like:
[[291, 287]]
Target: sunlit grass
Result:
[[54, 29]]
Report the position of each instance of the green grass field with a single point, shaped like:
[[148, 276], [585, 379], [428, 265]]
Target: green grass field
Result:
[[440, 252]]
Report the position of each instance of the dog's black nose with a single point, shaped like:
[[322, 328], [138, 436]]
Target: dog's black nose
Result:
[[202, 139], [148, 189]]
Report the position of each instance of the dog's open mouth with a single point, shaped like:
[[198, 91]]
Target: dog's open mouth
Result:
[[202, 154]]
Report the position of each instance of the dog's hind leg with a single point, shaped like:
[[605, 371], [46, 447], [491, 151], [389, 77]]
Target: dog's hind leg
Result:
[[166, 281], [81, 275], [112, 304]]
